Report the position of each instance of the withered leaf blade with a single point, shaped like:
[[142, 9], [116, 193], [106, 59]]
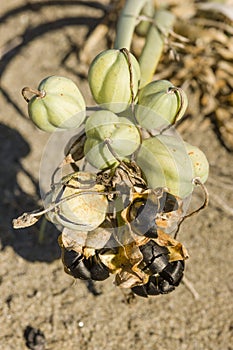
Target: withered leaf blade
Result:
[[177, 250], [128, 278], [25, 220], [124, 263]]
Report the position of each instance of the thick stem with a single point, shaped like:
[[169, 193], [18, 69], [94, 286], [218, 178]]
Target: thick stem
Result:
[[144, 25], [127, 22], [153, 48]]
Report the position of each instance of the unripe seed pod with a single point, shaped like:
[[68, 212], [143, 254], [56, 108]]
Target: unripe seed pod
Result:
[[165, 163], [160, 103], [199, 162], [80, 206], [57, 103], [113, 76], [121, 134]]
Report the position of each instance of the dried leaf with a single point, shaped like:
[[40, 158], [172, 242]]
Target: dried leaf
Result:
[[226, 10], [176, 249], [25, 220], [128, 278], [205, 69]]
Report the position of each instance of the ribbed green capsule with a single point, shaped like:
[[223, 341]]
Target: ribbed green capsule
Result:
[[111, 76], [160, 103], [58, 104], [105, 128], [165, 163]]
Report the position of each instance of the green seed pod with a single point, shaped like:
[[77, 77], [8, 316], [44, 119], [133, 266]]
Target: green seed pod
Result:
[[79, 204], [57, 103], [160, 103], [121, 134], [112, 76], [199, 162], [165, 163]]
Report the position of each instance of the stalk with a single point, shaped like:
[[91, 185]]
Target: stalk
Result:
[[127, 22], [144, 25], [154, 44]]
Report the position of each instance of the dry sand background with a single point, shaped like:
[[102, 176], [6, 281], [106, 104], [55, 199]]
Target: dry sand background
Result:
[[41, 38]]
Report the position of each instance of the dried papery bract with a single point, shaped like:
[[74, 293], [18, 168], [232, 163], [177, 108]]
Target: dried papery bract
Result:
[[27, 219], [83, 203]]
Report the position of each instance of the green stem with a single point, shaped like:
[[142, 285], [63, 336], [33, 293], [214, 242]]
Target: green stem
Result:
[[127, 21], [147, 12], [162, 23]]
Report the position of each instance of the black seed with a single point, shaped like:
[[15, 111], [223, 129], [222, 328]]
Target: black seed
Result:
[[80, 270], [173, 272], [159, 264], [142, 216], [165, 287], [167, 203], [70, 257], [152, 286], [140, 290], [155, 256], [98, 270]]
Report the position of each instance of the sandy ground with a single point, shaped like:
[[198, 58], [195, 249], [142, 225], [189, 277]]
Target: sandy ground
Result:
[[41, 38]]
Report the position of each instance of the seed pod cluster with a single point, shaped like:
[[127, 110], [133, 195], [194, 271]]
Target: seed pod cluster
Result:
[[133, 175]]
